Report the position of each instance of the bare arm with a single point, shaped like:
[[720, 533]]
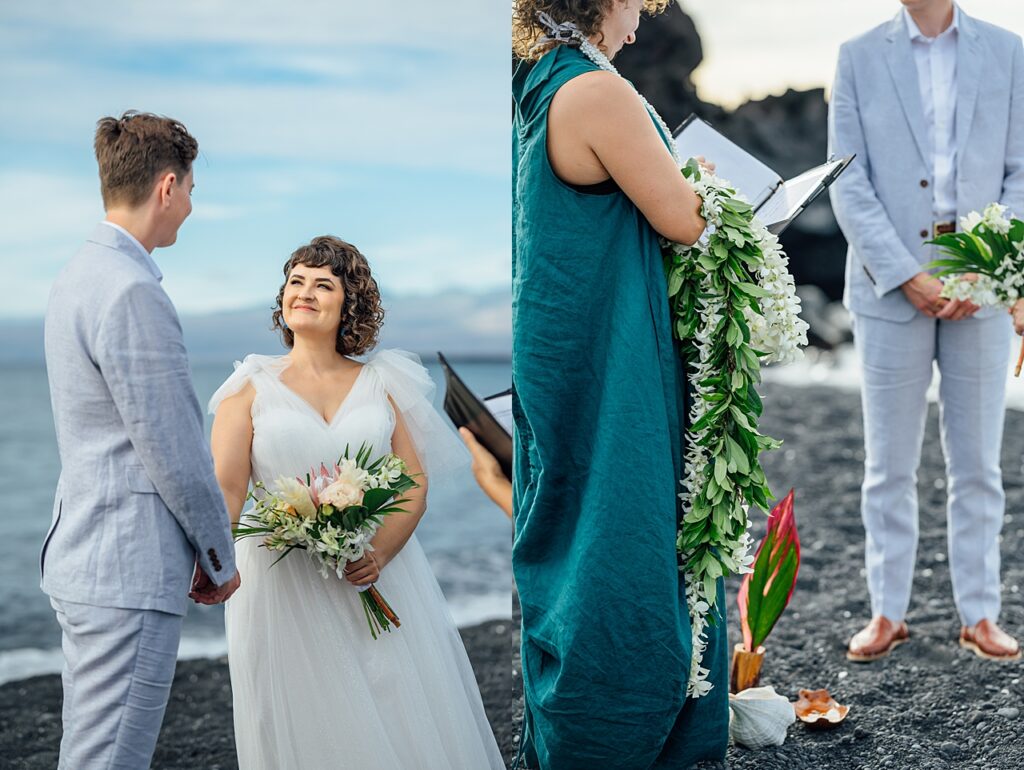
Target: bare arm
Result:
[[397, 528], [231, 444], [598, 127]]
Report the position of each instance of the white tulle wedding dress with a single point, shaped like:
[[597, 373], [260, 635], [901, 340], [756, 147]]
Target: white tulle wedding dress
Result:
[[312, 690]]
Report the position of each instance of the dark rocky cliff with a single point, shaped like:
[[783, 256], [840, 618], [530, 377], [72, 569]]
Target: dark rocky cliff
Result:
[[787, 132]]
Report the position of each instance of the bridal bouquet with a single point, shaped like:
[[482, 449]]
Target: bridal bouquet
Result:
[[333, 514], [984, 262]]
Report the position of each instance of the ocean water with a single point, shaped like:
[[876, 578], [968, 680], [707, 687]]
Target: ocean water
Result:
[[468, 543]]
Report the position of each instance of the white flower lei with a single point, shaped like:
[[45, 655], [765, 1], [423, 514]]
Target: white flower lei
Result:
[[778, 332]]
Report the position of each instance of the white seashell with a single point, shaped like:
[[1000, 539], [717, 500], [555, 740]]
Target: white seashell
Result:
[[759, 717]]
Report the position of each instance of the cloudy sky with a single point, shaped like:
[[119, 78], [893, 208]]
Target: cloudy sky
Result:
[[757, 47], [386, 124]]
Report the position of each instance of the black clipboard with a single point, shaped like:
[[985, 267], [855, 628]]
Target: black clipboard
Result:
[[466, 410]]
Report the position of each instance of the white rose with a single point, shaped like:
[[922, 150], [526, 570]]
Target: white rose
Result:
[[294, 493], [342, 493]]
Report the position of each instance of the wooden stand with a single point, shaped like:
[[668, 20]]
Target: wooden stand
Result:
[[746, 668]]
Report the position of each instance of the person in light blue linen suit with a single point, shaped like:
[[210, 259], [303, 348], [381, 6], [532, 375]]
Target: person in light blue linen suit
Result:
[[932, 104], [139, 522]]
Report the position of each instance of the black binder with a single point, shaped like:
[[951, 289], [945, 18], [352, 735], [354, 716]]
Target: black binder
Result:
[[468, 411]]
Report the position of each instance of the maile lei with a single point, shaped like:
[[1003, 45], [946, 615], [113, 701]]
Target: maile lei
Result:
[[734, 305]]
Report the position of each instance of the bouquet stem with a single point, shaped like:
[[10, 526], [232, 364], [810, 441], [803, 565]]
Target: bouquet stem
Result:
[[379, 614], [1020, 360]]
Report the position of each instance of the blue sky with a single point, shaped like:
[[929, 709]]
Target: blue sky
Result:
[[385, 124]]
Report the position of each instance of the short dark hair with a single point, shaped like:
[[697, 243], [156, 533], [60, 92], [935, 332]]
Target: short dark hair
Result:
[[134, 150], [362, 315]]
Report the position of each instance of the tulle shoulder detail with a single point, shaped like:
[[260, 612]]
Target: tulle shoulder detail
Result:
[[403, 376], [245, 372], [440, 450]]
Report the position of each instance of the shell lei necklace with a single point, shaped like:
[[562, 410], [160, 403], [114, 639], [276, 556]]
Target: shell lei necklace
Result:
[[733, 305]]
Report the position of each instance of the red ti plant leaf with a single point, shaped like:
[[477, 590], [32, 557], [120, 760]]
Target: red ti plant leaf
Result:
[[766, 591]]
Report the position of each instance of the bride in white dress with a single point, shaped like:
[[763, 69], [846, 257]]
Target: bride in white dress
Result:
[[312, 689]]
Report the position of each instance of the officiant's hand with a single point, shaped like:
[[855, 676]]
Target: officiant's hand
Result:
[[1017, 311], [364, 572], [488, 473], [705, 164]]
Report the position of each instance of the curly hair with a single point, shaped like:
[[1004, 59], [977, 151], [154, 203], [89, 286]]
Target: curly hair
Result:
[[362, 314], [133, 150], [587, 15]]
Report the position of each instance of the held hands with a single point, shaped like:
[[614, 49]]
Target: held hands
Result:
[[365, 571], [924, 290], [205, 591]]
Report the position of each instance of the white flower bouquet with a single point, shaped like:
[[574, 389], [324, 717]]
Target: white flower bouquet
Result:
[[333, 514], [985, 262]]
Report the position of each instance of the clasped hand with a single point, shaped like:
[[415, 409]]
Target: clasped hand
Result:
[[925, 293], [205, 591], [363, 572]]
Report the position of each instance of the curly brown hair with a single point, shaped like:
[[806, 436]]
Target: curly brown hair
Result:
[[362, 314], [587, 15]]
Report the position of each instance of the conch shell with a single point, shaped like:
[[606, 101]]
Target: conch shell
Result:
[[759, 717], [819, 709]]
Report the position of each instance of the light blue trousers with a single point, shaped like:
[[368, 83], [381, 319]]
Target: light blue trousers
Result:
[[117, 676], [973, 357]]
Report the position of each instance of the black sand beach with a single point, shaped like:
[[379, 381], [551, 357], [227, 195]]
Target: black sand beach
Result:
[[197, 731], [930, 705]]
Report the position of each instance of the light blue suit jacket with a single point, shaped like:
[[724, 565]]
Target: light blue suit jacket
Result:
[[883, 202], [137, 501]]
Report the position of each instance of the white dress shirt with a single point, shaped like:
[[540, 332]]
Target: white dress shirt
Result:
[[149, 257], [936, 76]]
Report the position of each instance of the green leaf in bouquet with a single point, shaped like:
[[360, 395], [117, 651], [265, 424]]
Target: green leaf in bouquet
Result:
[[376, 498], [287, 551]]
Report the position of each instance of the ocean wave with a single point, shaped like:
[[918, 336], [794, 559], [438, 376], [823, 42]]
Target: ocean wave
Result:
[[28, 662], [840, 368]]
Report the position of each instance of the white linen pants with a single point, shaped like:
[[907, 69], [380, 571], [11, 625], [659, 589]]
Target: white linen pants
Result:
[[118, 668], [896, 360]]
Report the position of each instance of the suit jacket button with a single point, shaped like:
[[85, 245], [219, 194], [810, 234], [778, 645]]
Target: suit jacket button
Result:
[[924, 233], [924, 183]]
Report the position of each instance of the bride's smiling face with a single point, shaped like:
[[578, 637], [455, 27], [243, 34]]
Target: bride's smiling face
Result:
[[313, 300]]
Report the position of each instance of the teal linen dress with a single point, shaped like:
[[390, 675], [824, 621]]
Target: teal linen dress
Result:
[[599, 407]]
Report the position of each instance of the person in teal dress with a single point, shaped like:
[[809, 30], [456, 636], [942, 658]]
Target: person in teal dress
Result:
[[599, 400]]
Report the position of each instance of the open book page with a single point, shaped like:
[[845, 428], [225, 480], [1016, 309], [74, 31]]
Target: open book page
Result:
[[501, 407], [742, 170], [794, 194]]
